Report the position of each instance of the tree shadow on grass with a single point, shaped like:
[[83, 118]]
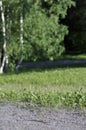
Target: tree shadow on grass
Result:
[[50, 65]]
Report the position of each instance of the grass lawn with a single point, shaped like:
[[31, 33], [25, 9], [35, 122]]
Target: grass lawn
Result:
[[72, 57], [46, 87]]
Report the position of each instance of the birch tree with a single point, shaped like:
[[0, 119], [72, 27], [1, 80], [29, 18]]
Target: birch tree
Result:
[[4, 57], [33, 30], [21, 34], [21, 30]]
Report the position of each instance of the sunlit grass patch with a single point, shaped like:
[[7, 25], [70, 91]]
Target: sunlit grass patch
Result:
[[47, 87]]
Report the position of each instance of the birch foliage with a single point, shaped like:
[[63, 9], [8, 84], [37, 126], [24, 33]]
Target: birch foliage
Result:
[[34, 30]]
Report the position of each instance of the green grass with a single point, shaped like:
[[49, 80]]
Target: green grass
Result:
[[49, 87], [72, 57]]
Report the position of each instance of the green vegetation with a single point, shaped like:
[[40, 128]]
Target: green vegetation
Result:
[[61, 86], [43, 30], [73, 57], [33, 30]]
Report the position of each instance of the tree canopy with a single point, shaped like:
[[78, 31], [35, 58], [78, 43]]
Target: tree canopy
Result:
[[33, 29]]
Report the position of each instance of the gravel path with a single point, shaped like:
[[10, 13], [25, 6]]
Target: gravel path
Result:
[[17, 118]]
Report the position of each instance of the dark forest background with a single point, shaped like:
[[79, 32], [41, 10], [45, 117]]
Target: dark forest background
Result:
[[75, 41]]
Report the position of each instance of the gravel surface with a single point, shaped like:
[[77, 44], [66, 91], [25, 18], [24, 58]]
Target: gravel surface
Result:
[[18, 118]]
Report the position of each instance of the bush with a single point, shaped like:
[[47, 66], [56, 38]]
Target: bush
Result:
[[43, 32]]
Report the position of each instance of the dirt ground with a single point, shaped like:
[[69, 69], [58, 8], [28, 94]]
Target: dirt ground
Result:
[[14, 117]]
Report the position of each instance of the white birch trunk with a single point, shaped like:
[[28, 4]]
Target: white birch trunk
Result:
[[21, 31], [21, 38], [21, 42], [5, 58]]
